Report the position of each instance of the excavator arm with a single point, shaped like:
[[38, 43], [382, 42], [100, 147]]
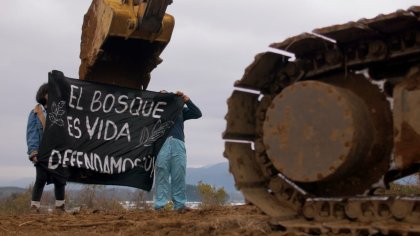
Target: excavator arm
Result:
[[122, 40], [151, 14]]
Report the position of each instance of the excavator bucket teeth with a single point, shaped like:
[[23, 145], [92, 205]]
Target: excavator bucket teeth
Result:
[[116, 49]]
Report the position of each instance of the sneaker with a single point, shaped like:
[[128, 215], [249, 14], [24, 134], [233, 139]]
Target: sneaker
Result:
[[60, 209], [183, 209], [34, 209], [159, 209]]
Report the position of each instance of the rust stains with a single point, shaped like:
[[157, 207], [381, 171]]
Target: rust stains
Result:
[[407, 149]]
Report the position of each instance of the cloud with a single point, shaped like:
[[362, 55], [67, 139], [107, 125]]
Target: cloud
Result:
[[213, 42], [13, 142], [204, 142], [13, 172]]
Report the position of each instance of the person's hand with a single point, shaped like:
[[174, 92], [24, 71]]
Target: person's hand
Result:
[[34, 159], [185, 97]]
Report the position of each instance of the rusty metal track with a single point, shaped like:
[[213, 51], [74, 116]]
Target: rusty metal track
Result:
[[385, 47]]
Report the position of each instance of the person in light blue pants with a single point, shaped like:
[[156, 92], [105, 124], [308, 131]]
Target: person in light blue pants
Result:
[[171, 161]]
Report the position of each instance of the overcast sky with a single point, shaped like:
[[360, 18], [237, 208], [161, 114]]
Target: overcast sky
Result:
[[213, 42]]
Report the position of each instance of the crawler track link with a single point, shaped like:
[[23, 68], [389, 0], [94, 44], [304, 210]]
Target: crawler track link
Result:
[[382, 48]]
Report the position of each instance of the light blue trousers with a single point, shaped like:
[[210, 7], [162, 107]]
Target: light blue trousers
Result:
[[171, 163]]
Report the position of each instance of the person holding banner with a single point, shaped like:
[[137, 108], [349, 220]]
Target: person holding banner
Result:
[[172, 160], [34, 131]]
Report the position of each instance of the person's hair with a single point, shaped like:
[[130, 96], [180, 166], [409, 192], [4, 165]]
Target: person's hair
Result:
[[40, 95]]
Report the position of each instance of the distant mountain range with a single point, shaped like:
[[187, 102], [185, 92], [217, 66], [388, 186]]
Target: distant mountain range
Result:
[[21, 182], [217, 175], [8, 191]]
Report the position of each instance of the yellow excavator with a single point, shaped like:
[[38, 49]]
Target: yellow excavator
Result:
[[312, 141], [122, 40]]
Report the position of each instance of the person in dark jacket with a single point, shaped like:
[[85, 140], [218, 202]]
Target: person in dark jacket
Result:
[[172, 160], [34, 131]]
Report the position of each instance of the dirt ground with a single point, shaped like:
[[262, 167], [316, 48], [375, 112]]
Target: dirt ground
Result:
[[234, 220]]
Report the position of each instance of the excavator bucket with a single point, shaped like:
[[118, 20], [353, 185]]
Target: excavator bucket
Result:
[[122, 40]]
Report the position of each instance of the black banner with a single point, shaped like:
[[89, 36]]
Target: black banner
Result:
[[102, 134]]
